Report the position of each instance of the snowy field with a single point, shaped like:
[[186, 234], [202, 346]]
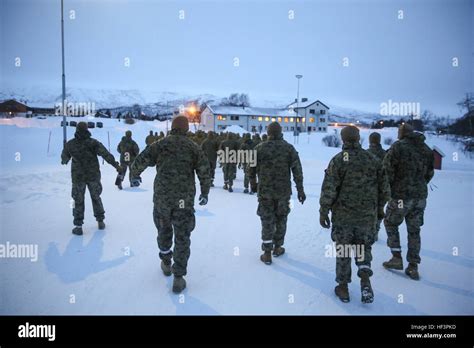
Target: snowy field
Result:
[[116, 271]]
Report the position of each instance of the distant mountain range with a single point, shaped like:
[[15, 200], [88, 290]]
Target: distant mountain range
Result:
[[152, 102]]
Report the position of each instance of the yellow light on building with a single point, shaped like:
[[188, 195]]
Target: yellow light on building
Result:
[[292, 119], [286, 119], [260, 118], [267, 119], [273, 119], [279, 119], [303, 119], [311, 119]]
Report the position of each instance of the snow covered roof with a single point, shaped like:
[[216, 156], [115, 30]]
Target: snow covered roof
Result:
[[250, 111], [307, 103], [438, 150]]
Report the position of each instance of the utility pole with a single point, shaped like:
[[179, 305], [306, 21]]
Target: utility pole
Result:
[[63, 76], [298, 77]]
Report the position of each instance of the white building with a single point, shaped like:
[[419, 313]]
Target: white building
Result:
[[308, 116]]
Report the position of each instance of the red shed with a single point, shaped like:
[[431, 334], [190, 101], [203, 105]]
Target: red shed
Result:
[[438, 157]]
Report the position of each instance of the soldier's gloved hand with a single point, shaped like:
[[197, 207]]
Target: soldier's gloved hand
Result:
[[202, 199], [136, 182], [301, 196], [380, 214], [64, 162], [324, 220]]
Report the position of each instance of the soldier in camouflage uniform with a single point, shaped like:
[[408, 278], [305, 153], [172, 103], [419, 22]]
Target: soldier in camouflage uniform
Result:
[[177, 159], [376, 149], [276, 160], [264, 137], [229, 169], [150, 139], [246, 146], [409, 166], [128, 150], [355, 190], [85, 172], [210, 147], [256, 140]]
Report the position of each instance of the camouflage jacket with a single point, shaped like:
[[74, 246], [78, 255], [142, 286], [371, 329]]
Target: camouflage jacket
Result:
[[177, 159], [150, 139], [128, 150], [210, 147], [409, 166], [377, 150], [354, 187], [275, 160], [84, 151], [229, 143]]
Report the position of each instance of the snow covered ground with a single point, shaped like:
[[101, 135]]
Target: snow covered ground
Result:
[[116, 271]]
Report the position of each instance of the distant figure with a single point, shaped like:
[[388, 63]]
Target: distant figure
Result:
[[128, 150], [85, 172], [409, 166], [177, 160], [246, 146], [150, 139], [229, 167], [376, 149], [260, 127], [210, 147]]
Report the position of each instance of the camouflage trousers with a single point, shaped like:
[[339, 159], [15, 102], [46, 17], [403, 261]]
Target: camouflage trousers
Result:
[[230, 171], [78, 194], [377, 229], [245, 169], [179, 222], [412, 211], [124, 166], [353, 242], [212, 166], [273, 215]]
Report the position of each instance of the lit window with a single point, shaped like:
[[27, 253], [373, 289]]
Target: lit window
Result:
[[292, 120], [286, 119], [260, 118], [279, 119], [303, 119], [267, 119], [273, 119], [311, 119]]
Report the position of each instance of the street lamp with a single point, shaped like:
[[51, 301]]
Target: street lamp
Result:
[[298, 77]]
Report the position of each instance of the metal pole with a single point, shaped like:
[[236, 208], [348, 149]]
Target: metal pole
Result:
[[63, 75], [298, 77]]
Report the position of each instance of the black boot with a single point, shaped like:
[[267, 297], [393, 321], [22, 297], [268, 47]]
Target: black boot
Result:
[[342, 291], [101, 225], [367, 294], [246, 190], [179, 284], [396, 262], [230, 188], [278, 251], [225, 186], [266, 257], [166, 267], [412, 271], [77, 230]]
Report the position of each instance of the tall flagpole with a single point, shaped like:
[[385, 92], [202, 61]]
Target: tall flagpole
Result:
[[63, 76]]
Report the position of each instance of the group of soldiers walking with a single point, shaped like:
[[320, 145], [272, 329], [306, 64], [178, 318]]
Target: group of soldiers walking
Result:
[[357, 186]]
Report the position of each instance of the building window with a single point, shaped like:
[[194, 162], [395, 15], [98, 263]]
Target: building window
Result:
[[286, 120], [273, 119], [303, 119], [324, 129], [260, 118], [312, 111], [292, 128], [234, 118], [254, 117], [322, 111], [221, 118], [292, 120], [322, 120], [314, 128], [319, 129], [279, 119], [311, 119], [267, 119]]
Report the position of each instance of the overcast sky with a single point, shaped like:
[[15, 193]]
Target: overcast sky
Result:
[[405, 60]]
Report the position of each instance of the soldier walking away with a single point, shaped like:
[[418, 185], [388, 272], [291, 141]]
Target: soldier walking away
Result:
[[229, 169], [150, 139], [247, 147], [354, 190], [85, 172], [210, 147], [276, 160], [376, 149], [128, 150], [177, 159], [409, 166]]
